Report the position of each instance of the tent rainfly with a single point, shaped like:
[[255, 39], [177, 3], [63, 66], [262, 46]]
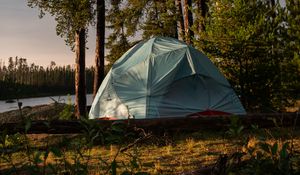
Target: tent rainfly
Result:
[[164, 77]]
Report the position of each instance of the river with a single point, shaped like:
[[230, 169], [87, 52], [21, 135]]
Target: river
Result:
[[41, 100]]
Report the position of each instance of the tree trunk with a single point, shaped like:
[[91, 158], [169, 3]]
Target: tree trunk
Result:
[[242, 84], [80, 88], [188, 21], [180, 23], [203, 9], [100, 39]]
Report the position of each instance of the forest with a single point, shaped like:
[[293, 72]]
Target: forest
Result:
[[20, 80]]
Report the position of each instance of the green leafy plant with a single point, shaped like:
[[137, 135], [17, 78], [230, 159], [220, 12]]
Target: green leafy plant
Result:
[[72, 154], [68, 112], [260, 154], [235, 127]]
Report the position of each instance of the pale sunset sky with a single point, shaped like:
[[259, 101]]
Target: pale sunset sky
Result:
[[24, 34]]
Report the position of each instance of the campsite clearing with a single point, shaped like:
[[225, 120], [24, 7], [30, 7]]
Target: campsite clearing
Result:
[[168, 154]]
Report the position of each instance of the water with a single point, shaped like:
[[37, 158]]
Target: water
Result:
[[41, 100]]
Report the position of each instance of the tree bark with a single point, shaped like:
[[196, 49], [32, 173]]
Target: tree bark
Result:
[[100, 40], [180, 23], [188, 21], [80, 87], [203, 9]]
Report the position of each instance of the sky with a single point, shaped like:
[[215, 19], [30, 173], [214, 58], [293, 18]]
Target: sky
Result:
[[24, 34]]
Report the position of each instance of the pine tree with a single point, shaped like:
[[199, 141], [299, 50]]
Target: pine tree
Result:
[[247, 40], [161, 19], [72, 19], [117, 42], [292, 18]]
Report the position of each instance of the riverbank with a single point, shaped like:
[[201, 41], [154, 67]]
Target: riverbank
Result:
[[38, 112]]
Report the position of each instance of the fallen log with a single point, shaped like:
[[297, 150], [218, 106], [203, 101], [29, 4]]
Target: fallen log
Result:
[[158, 124]]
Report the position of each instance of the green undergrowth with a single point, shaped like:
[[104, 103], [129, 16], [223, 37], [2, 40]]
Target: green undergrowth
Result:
[[120, 150]]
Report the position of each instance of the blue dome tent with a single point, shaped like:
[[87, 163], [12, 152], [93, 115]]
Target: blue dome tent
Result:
[[164, 77]]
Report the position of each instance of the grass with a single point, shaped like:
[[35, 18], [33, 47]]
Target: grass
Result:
[[158, 155]]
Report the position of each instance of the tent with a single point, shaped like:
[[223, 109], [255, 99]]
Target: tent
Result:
[[164, 77]]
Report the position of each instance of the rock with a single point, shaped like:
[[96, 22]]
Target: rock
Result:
[[10, 101]]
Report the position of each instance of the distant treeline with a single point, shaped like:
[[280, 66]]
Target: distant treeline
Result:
[[19, 79]]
